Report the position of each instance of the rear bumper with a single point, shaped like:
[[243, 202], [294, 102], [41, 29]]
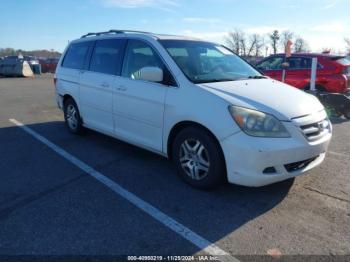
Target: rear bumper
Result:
[[248, 157], [336, 83]]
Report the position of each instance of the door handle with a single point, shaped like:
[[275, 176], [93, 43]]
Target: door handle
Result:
[[105, 84], [121, 88]]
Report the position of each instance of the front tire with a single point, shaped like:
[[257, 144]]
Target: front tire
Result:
[[198, 158], [72, 117], [347, 114]]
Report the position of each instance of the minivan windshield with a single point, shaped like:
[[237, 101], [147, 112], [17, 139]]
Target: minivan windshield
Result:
[[204, 62]]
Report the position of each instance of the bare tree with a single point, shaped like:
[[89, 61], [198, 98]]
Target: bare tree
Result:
[[260, 43], [255, 44], [285, 36], [300, 45], [347, 42], [245, 45], [252, 44], [274, 37], [234, 41], [243, 42]]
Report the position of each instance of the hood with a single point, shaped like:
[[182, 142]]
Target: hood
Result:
[[267, 95]]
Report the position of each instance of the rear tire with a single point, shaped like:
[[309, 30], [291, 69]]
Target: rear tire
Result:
[[72, 117], [198, 158]]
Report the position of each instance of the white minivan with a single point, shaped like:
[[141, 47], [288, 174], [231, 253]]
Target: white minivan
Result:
[[194, 102]]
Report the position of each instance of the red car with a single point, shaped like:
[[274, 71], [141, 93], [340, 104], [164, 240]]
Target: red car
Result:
[[333, 72], [48, 65]]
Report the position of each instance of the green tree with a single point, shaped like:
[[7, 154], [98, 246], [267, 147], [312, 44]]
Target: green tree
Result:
[[274, 37]]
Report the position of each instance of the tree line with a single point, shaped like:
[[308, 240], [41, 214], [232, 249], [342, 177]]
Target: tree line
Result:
[[248, 45], [255, 45], [38, 53]]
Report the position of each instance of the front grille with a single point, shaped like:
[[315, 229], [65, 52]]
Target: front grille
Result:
[[316, 130], [299, 165]]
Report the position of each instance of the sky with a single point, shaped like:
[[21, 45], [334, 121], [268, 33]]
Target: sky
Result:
[[48, 24]]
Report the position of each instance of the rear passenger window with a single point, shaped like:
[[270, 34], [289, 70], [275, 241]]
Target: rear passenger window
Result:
[[75, 56], [299, 62], [106, 57]]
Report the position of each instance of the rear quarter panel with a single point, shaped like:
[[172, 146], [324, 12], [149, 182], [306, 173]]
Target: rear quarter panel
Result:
[[67, 82]]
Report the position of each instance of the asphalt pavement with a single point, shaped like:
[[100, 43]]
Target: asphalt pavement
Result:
[[50, 206]]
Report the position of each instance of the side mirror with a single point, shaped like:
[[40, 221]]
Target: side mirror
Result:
[[285, 65], [152, 74]]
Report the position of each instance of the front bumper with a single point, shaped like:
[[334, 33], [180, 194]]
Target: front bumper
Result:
[[248, 158], [59, 101]]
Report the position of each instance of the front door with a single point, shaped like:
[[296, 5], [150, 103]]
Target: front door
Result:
[[138, 104]]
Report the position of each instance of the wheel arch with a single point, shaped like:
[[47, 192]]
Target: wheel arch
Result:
[[182, 125], [66, 97], [318, 87]]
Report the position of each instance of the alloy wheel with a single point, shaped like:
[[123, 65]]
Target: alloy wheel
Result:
[[194, 159], [72, 118]]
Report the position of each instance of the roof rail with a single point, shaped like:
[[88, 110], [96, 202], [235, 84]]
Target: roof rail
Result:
[[114, 32]]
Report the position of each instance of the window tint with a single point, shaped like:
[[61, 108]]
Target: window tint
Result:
[[176, 52], [181, 58], [106, 57], [273, 63], [75, 56], [139, 55], [299, 62]]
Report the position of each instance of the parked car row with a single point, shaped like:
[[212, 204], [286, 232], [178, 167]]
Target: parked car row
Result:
[[16, 60], [32, 60], [49, 65], [14, 66], [333, 72]]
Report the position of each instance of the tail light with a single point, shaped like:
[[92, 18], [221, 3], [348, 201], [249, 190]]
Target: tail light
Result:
[[347, 82]]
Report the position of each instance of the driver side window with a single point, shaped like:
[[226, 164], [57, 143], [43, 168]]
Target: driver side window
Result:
[[139, 55]]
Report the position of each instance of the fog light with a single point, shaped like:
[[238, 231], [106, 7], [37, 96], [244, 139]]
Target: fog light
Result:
[[270, 170]]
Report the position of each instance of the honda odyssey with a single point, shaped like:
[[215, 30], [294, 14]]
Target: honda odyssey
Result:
[[194, 102]]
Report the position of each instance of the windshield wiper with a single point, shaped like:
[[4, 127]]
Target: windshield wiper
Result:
[[257, 77], [214, 80]]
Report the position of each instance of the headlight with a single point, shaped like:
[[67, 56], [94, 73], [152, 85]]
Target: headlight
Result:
[[256, 123]]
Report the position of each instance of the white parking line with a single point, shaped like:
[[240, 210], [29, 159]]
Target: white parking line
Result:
[[169, 222], [338, 154]]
